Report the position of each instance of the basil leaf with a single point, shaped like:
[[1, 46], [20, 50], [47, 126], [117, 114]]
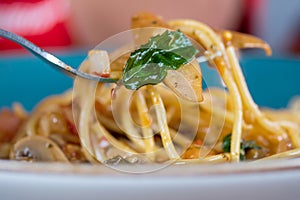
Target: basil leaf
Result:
[[244, 146], [226, 144], [149, 63]]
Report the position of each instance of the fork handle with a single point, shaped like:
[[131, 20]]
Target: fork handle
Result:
[[37, 51], [51, 59]]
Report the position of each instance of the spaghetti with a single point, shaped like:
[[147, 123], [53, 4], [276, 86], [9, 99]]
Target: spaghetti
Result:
[[108, 123]]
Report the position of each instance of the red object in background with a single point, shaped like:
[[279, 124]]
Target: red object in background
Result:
[[251, 7], [42, 22]]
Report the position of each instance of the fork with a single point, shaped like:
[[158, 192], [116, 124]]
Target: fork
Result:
[[51, 59], [60, 65]]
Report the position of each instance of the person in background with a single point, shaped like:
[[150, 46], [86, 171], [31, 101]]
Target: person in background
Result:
[[85, 23], [77, 24], [98, 19], [277, 22]]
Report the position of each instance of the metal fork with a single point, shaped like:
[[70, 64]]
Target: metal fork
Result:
[[51, 59], [60, 65]]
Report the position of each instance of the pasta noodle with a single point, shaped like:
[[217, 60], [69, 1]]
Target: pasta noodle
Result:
[[107, 123]]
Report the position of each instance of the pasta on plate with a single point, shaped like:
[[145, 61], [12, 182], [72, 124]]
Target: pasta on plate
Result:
[[156, 115]]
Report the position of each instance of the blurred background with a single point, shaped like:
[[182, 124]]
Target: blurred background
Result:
[[64, 25]]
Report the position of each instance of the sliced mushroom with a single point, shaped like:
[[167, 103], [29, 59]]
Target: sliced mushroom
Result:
[[186, 82], [37, 148], [242, 40], [146, 19], [146, 25]]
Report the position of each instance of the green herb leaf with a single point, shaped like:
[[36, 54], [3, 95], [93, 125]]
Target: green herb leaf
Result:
[[226, 144], [149, 63], [244, 146]]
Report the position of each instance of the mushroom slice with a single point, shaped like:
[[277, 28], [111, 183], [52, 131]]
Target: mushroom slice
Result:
[[37, 148], [242, 40], [146, 19], [146, 25], [186, 82]]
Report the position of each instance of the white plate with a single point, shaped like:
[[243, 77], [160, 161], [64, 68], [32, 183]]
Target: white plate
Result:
[[41, 181]]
